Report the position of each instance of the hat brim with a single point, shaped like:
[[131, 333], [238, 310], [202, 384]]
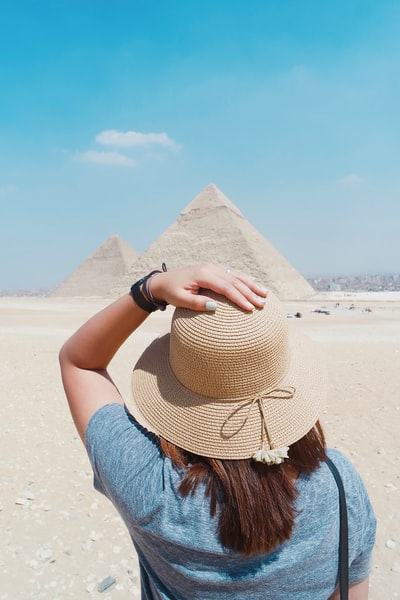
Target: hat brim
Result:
[[227, 428]]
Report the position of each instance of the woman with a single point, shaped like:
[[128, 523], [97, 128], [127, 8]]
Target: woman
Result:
[[218, 470]]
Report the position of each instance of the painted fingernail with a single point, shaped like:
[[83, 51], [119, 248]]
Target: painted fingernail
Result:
[[264, 289], [261, 299], [210, 305], [250, 305]]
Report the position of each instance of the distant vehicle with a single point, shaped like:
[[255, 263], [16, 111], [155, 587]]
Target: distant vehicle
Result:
[[321, 311]]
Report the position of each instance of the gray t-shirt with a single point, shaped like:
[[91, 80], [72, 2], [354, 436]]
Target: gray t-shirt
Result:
[[176, 540]]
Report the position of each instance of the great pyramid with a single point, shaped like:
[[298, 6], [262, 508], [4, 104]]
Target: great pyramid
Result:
[[101, 271], [212, 229]]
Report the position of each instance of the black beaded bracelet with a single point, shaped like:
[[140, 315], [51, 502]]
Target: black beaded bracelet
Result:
[[142, 295]]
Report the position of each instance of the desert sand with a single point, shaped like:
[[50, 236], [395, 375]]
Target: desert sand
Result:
[[60, 538]]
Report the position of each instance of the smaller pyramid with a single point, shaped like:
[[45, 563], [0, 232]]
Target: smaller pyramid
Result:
[[100, 272]]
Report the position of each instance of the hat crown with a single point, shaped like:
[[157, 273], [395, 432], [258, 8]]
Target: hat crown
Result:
[[229, 353]]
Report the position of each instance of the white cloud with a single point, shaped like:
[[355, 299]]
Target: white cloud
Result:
[[350, 179], [108, 159], [149, 145], [8, 188], [112, 137]]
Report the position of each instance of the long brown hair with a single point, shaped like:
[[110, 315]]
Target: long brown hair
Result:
[[255, 502]]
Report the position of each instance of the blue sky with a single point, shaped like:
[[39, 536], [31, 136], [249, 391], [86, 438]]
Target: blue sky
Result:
[[113, 116]]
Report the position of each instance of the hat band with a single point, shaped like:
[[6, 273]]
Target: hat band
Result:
[[282, 393]]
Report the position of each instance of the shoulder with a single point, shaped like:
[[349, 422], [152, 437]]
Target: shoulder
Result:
[[115, 442], [361, 517], [350, 476], [346, 468], [359, 505], [127, 462], [322, 482], [342, 463], [114, 422]]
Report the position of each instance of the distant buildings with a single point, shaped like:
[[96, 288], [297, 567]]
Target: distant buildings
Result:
[[357, 283]]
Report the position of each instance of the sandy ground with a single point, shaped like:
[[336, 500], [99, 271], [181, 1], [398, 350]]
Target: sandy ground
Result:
[[60, 538]]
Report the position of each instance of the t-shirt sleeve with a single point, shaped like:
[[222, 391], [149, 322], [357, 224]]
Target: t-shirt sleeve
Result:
[[119, 449], [361, 566]]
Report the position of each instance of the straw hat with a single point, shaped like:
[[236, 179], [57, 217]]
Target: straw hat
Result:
[[230, 383]]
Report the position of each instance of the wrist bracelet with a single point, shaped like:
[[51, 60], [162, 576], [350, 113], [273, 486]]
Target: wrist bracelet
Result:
[[141, 293]]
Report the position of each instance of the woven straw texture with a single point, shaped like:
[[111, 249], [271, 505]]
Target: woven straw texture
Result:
[[197, 386]]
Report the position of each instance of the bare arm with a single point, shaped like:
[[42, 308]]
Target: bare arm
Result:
[[85, 356], [357, 591]]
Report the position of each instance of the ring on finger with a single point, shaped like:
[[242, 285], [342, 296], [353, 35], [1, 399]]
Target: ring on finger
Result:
[[227, 270]]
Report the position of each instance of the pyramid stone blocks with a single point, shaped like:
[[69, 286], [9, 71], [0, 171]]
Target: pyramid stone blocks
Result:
[[212, 229], [101, 271]]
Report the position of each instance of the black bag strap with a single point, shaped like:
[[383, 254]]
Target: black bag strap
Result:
[[343, 535]]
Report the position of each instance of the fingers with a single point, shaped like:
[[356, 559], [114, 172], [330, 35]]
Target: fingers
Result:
[[197, 302], [240, 288], [181, 287], [244, 291], [248, 285]]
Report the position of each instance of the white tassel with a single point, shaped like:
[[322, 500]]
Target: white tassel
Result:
[[272, 456]]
